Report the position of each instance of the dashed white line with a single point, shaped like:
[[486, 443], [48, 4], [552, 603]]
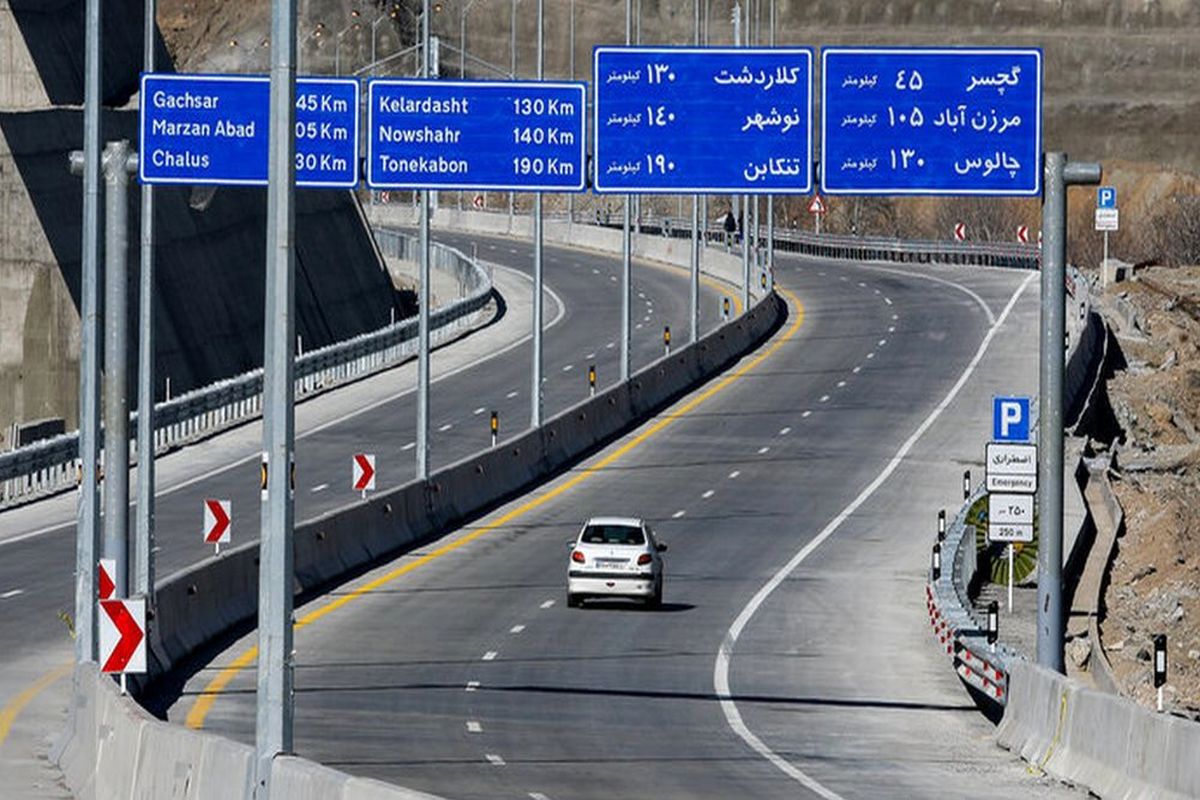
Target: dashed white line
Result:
[[895, 316], [735, 473], [471, 686], [610, 345], [785, 431], [824, 399], [840, 384], [642, 295], [882, 342], [763, 449], [708, 494], [512, 250], [678, 514], [822, 274], [446, 427], [547, 603], [861, 284], [495, 759], [857, 369], [887, 300], [595, 271], [11, 593], [878, 292], [806, 414], [490, 655], [491, 247], [409, 446], [612, 278], [478, 411], [891, 329], [538, 796], [568, 367], [516, 629], [646, 319], [590, 355], [638, 326], [473, 726], [320, 487], [870, 355], [511, 395]]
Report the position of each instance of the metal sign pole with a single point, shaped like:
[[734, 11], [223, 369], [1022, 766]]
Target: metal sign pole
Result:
[[116, 397], [273, 733], [1058, 174], [571, 46], [424, 293], [143, 549], [694, 294], [88, 515], [535, 398], [626, 254], [744, 217], [771, 197]]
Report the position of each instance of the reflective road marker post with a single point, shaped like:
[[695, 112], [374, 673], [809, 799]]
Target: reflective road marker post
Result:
[[1160, 666], [591, 380], [1059, 173], [275, 703], [966, 484], [495, 427]]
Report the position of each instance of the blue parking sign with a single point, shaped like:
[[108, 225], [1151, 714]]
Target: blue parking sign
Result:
[[1010, 419], [1106, 197]]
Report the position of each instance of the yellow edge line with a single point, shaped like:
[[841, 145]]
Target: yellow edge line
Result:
[[9, 715], [204, 701]]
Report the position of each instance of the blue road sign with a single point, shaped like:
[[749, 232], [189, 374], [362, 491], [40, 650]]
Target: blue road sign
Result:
[[952, 121], [1010, 419], [214, 129], [1106, 197], [525, 136], [711, 120]]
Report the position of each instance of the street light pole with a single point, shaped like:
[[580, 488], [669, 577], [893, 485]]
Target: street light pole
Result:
[[536, 394], [273, 732], [626, 243], [771, 197], [571, 45], [512, 73], [423, 291], [694, 295]]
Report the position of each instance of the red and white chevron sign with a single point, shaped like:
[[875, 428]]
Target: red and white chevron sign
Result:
[[123, 636], [362, 472], [106, 578], [217, 528], [1023, 234], [960, 232]]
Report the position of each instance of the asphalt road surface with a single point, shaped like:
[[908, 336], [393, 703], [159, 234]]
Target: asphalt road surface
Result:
[[792, 657]]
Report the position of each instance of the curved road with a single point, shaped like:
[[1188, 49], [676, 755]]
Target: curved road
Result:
[[792, 657], [37, 542]]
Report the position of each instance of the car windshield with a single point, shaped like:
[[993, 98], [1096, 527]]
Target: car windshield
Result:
[[613, 534]]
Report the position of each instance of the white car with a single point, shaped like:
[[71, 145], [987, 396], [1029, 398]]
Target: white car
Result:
[[615, 557]]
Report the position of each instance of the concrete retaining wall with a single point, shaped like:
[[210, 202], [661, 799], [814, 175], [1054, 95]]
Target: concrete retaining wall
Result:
[[1109, 744]]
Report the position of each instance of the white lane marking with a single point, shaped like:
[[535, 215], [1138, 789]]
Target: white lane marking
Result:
[[882, 342], [495, 759], [595, 271], [822, 274], [725, 653], [471, 686], [491, 247], [891, 328], [568, 367], [638, 327], [646, 319], [735, 473], [255, 456], [612, 278], [511, 395], [840, 384], [785, 431], [538, 796], [478, 411], [974, 296], [409, 446], [857, 369], [473, 726], [678, 514], [610, 345], [547, 603], [861, 284], [446, 427], [763, 449], [512, 250], [320, 487], [490, 655], [878, 292], [11, 593], [516, 629], [895, 316], [870, 355], [642, 295], [708, 494], [590, 355], [824, 399], [887, 300]]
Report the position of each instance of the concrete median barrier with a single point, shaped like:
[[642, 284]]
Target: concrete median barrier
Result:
[[1103, 742]]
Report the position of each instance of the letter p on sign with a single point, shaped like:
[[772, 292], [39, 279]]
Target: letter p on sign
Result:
[[1010, 419]]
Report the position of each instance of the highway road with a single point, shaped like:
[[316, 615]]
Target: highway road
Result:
[[792, 657], [487, 371]]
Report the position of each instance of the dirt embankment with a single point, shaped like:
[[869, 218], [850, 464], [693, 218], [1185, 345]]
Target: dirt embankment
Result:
[[1155, 578]]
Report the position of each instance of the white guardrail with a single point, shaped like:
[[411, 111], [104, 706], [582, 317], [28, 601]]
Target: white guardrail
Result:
[[52, 465]]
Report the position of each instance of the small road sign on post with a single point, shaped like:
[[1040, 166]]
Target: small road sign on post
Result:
[[362, 473], [217, 528], [106, 582], [1023, 234], [1010, 419], [1011, 467], [123, 637], [960, 231], [1106, 197], [1010, 517]]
